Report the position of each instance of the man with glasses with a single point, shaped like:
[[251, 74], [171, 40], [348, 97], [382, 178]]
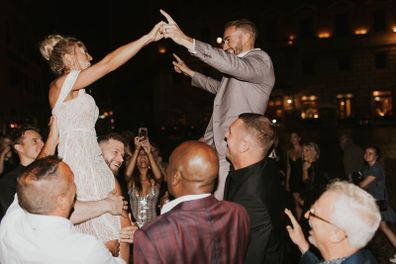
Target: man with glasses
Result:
[[343, 220], [248, 78]]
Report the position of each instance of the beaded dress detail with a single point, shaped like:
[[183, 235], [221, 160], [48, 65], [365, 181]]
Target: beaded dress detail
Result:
[[78, 147]]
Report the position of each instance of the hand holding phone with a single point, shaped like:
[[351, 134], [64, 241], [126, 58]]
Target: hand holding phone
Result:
[[143, 132]]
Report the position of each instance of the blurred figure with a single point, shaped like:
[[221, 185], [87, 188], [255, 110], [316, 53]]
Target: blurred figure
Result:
[[343, 220], [143, 178], [374, 183], [7, 158], [315, 179], [195, 227], [28, 144], [352, 156], [254, 183], [248, 79], [36, 228], [294, 183]]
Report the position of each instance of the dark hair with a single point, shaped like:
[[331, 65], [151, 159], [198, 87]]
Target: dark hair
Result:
[[136, 175], [39, 185], [376, 149], [244, 24], [20, 132], [262, 129], [114, 136]]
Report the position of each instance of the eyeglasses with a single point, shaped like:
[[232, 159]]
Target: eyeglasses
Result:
[[311, 213]]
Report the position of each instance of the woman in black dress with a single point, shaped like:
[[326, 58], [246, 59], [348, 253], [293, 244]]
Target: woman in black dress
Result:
[[294, 171]]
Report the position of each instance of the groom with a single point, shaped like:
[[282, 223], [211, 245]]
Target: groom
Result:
[[245, 87]]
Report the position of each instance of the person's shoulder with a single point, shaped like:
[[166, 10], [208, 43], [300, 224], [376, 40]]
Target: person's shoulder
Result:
[[258, 53], [83, 242], [160, 222], [232, 207], [363, 256]]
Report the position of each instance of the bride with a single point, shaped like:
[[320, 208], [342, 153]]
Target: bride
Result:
[[77, 113]]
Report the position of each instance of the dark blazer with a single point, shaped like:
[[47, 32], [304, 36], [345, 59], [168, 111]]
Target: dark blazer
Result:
[[200, 231], [8, 184], [363, 256], [258, 189]]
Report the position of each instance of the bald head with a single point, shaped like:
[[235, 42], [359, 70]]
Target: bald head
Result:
[[44, 184], [192, 169]]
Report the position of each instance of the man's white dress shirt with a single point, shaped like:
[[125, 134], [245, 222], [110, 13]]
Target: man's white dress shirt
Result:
[[29, 238]]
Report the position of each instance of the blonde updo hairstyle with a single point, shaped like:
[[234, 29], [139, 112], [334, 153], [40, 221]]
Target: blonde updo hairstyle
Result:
[[53, 49]]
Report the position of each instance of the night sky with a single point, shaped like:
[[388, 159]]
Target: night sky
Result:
[[105, 25]]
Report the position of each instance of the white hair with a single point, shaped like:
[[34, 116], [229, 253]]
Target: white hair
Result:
[[354, 211]]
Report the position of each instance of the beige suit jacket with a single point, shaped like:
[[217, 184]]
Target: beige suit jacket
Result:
[[244, 88]]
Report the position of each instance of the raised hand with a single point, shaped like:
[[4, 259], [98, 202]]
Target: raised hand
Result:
[[156, 33], [172, 30], [146, 145], [295, 232], [137, 141], [181, 67]]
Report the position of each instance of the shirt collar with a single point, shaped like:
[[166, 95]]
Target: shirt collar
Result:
[[169, 206], [243, 54]]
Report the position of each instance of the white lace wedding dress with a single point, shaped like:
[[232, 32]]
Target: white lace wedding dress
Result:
[[79, 149]]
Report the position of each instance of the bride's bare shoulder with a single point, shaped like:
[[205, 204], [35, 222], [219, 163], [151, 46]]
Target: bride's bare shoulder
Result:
[[54, 90]]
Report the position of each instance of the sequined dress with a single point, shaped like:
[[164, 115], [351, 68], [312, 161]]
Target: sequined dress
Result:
[[144, 207], [79, 149]]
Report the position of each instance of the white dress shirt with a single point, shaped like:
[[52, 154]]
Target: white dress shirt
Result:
[[29, 238]]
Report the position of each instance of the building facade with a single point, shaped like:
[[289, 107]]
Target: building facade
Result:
[[335, 62]]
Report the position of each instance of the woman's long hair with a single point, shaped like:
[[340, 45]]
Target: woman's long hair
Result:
[[136, 178]]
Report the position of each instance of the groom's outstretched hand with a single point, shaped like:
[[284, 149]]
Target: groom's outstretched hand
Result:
[[181, 67], [172, 30]]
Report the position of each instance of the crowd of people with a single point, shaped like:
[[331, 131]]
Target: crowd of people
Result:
[[79, 198]]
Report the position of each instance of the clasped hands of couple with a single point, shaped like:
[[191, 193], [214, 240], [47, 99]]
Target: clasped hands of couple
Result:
[[171, 30]]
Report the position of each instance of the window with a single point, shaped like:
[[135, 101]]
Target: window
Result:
[[306, 28], [344, 105], [309, 107], [381, 60], [382, 103], [341, 25], [379, 21], [344, 63], [308, 67]]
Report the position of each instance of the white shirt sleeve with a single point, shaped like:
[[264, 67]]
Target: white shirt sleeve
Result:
[[99, 254]]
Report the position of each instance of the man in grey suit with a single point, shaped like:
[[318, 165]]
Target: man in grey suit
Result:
[[245, 86]]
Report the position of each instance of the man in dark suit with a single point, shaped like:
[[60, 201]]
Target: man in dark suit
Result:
[[343, 220], [254, 182], [195, 227], [246, 84]]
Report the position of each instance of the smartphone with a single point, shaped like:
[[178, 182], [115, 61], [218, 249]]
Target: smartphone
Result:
[[143, 132]]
